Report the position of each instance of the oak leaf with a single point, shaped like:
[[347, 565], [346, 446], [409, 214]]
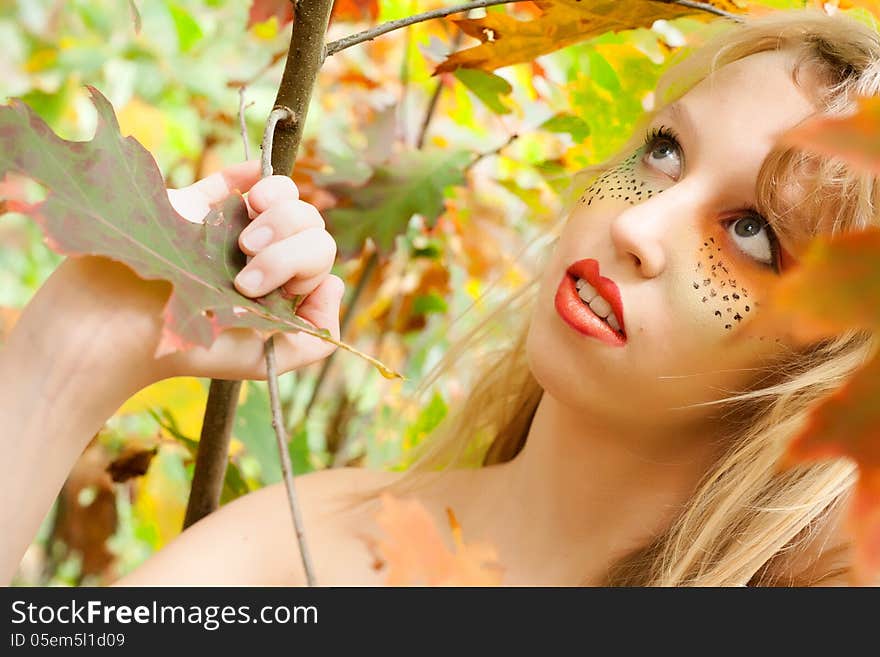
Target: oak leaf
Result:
[[411, 182], [506, 40], [106, 197]]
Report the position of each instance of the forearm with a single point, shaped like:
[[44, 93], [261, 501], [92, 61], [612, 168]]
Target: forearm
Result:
[[73, 358]]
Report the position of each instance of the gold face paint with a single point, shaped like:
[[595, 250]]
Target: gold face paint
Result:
[[621, 183], [723, 280], [728, 283], [726, 297]]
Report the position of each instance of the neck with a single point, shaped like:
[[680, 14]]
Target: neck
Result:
[[587, 482]]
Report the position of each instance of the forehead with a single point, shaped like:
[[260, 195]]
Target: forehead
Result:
[[731, 119]]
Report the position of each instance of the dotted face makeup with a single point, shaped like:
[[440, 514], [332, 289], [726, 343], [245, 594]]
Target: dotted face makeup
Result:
[[621, 183], [720, 288]]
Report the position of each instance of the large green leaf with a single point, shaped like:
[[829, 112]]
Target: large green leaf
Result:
[[411, 183]]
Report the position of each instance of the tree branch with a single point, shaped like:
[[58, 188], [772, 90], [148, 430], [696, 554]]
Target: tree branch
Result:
[[212, 456], [367, 35], [304, 59], [705, 6]]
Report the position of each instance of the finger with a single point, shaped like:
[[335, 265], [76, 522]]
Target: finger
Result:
[[218, 186], [300, 285], [321, 307], [271, 189], [280, 221], [305, 254]]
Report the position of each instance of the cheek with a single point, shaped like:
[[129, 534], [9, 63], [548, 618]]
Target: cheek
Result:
[[622, 183], [720, 292], [724, 289]]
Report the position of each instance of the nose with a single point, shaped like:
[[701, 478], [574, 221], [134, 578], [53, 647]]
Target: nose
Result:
[[637, 235]]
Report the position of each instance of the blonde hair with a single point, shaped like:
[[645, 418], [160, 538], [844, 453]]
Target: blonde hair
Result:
[[746, 518]]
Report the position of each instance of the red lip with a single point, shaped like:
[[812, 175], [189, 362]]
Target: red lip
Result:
[[577, 314]]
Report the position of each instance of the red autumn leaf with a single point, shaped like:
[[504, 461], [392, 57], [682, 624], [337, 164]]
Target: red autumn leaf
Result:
[[855, 138], [416, 554], [106, 197], [263, 10], [507, 40], [343, 10]]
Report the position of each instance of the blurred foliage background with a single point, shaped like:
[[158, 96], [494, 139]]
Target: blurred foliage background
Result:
[[439, 189]]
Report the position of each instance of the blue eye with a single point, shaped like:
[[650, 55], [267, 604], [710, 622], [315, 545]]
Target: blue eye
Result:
[[753, 236]]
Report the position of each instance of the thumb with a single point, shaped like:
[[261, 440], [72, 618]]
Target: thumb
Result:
[[219, 185], [194, 202]]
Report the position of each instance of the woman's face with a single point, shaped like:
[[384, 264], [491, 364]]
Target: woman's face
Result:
[[673, 228]]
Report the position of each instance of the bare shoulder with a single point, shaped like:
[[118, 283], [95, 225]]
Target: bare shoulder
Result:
[[252, 540]]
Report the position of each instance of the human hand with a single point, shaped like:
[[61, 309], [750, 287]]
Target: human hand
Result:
[[290, 249], [298, 258]]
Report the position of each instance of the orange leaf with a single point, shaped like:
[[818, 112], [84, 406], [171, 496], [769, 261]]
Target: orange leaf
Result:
[[835, 287], [854, 138], [355, 10], [847, 423], [506, 40], [416, 554]]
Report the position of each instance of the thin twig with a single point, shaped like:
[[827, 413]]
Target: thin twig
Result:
[[494, 151], [367, 35], [435, 97], [277, 57], [705, 6], [276, 115], [241, 122]]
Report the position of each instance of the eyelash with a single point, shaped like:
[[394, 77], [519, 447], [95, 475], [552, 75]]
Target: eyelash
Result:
[[662, 133]]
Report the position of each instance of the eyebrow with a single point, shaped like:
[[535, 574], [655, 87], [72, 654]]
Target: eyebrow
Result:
[[683, 116]]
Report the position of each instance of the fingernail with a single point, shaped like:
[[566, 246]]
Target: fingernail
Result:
[[249, 279], [257, 238]]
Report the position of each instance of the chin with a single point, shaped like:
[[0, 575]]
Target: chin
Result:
[[555, 367]]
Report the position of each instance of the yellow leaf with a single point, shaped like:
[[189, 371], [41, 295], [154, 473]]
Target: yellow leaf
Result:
[[161, 496], [267, 30], [473, 287], [41, 60], [143, 122], [506, 40], [184, 397]]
